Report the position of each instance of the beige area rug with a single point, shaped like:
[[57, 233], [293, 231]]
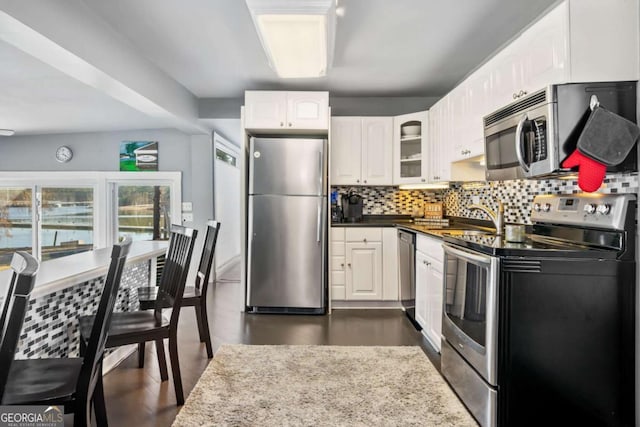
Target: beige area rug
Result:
[[282, 385]]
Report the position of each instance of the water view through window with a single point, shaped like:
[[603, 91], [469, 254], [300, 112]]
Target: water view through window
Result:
[[67, 221], [16, 224], [143, 212]]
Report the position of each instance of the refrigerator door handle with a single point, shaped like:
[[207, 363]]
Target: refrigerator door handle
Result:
[[319, 221], [320, 178]]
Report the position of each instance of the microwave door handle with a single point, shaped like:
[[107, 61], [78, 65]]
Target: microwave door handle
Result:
[[518, 142]]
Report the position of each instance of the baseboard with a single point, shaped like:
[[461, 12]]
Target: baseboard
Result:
[[115, 358], [222, 269], [336, 304]]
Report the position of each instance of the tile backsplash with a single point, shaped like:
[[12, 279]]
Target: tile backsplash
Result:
[[517, 196]]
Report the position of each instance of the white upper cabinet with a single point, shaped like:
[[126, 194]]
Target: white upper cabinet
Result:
[[410, 148], [576, 41], [286, 111], [361, 151], [377, 151], [346, 150], [440, 141]]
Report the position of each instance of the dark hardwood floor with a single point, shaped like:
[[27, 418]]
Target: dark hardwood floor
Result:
[[137, 397]]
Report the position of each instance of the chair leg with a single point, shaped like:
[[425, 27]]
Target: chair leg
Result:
[[82, 414], [205, 327], [175, 367], [141, 355], [199, 320], [162, 360], [99, 405]]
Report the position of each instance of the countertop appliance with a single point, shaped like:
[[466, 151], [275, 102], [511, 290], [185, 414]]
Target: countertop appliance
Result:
[[532, 136], [407, 273], [352, 207], [287, 248], [543, 332]]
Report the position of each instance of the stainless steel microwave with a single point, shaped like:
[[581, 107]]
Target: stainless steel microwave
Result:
[[531, 137]]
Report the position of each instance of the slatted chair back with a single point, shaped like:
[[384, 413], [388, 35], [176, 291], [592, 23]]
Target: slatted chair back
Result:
[[92, 361], [206, 259], [23, 278], [175, 271]]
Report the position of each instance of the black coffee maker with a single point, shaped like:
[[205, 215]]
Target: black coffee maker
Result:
[[352, 207]]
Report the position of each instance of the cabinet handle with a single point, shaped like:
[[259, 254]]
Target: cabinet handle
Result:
[[364, 240], [515, 95], [289, 124], [281, 124], [365, 181], [349, 265], [426, 263], [423, 180], [342, 264], [357, 180]]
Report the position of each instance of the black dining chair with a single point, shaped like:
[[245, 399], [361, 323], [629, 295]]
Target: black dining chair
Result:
[[194, 296], [75, 383], [139, 327]]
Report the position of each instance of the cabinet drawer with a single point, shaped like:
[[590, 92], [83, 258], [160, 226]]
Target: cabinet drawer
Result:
[[431, 247], [360, 234], [337, 234], [337, 248], [338, 293], [337, 263]]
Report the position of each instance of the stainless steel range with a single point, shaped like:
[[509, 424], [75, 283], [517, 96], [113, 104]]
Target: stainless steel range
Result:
[[543, 332]]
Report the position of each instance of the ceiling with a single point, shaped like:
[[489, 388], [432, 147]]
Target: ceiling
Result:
[[209, 49]]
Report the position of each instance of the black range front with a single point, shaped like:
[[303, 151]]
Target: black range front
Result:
[[542, 332]]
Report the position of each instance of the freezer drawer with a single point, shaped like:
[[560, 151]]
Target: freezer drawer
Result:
[[286, 256]]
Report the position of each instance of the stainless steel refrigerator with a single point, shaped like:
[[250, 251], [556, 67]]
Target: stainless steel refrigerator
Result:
[[287, 225]]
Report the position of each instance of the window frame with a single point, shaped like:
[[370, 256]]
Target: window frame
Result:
[[103, 184]]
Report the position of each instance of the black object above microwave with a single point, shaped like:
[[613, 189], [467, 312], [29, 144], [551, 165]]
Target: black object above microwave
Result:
[[531, 137]]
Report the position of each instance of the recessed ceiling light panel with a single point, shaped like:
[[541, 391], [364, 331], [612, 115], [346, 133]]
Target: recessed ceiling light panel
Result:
[[297, 36]]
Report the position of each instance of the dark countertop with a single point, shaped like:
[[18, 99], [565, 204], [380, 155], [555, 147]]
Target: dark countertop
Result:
[[405, 222]]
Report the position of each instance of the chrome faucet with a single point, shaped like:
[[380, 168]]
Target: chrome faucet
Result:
[[496, 217]]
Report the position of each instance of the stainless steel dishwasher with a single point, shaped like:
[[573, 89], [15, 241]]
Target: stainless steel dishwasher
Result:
[[407, 268]]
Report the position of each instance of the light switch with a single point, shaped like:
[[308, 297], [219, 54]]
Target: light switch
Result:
[[187, 217], [187, 206]]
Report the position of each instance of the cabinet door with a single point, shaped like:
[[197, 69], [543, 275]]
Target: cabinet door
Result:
[[422, 276], [507, 76], [308, 110], [364, 271], [265, 109], [346, 150], [441, 124], [410, 148], [390, 283], [433, 296], [377, 151], [545, 49]]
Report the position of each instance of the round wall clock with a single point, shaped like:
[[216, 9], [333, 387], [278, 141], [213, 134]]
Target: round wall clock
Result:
[[64, 154]]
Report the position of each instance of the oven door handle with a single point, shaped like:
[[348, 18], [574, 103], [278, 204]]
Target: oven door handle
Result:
[[482, 259], [518, 142]]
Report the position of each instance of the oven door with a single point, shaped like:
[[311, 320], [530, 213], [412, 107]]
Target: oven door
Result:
[[470, 308], [521, 145]]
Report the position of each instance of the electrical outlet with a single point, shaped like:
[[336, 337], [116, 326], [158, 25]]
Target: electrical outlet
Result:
[[187, 207], [187, 217], [475, 200]]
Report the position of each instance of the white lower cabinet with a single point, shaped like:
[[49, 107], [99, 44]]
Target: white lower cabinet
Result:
[[429, 260], [364, 271], [364, 264]]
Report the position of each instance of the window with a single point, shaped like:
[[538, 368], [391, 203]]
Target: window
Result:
[[54, 214], [225, 157], [144, 211], [67, 221], [16, 222]]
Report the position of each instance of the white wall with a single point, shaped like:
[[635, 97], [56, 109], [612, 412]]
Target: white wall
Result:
[[227, 206]]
